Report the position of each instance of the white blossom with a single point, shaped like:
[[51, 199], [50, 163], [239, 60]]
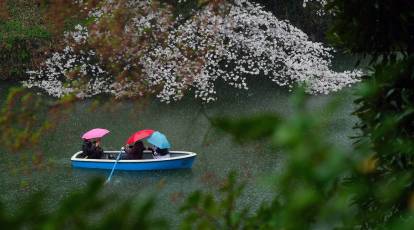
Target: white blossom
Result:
[[236, 42]]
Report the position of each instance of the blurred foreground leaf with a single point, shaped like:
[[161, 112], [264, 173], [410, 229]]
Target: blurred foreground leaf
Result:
[[87, 208]]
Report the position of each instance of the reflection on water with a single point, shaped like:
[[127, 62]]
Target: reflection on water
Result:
[[186, 124]]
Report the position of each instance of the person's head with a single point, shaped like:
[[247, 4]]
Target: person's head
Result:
[[139, 144], [96, 141], [128, 147], [162, 152]]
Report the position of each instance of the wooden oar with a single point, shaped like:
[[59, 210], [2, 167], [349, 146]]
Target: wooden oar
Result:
[[113, 168]]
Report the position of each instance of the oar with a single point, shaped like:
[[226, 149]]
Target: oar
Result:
[[113, 168]]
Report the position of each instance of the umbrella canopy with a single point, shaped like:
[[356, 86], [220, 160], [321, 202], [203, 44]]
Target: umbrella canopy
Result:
[[95, 133], [139, 135], [158, 139]]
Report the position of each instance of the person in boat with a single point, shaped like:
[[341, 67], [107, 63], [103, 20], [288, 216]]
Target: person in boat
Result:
[[87, 147], [97, 152], [158, 153], [135, 151], [92, 149]]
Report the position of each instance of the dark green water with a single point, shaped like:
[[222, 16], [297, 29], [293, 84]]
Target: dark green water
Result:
[[187, 127]]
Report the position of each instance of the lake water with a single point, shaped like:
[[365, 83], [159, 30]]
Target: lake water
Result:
[[186, 125]]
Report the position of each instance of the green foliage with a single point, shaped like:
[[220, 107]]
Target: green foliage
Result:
[[19, 45], [24, 119], [29, 29], [19, 120], [185, 9], [13, 31], [314, 184], [83, 209], [321, 185], [382, 30], [309, 185], [204, 211], [386, 112], [386, 108], [22, 36], [379, 29]]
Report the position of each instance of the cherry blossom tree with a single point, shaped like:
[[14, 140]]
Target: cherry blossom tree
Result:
[[133, 48]]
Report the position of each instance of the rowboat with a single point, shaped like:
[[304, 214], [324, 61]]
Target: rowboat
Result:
[[178, 160]]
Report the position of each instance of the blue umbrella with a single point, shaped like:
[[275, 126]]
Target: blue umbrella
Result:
[[158, 139]]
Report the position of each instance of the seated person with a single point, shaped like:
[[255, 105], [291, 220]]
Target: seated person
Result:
[[135, 151], [161, 153], [97, 150], [92, 149], [87, 147]]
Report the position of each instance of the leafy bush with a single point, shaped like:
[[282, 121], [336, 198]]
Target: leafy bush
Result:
[[83, 209], [380, 29], [19, 120], [203, 211], [386, 112], [29, 29], [19, 44], [310, 184]]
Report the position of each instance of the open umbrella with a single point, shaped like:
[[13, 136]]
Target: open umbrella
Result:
[[139, 135], [95, 133], [160, 140]]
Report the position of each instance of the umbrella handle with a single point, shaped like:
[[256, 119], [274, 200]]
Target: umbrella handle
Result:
[[113, 168]]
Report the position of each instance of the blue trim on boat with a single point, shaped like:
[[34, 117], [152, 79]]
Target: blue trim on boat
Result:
[[185, 160]]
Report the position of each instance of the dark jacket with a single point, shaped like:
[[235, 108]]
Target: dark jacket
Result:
[[87, 148], [97, 152], [135, 151], [162, 152], [91, 150]]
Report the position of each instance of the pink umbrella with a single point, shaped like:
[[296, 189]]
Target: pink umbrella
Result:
[[95, 133], [140, 135]]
